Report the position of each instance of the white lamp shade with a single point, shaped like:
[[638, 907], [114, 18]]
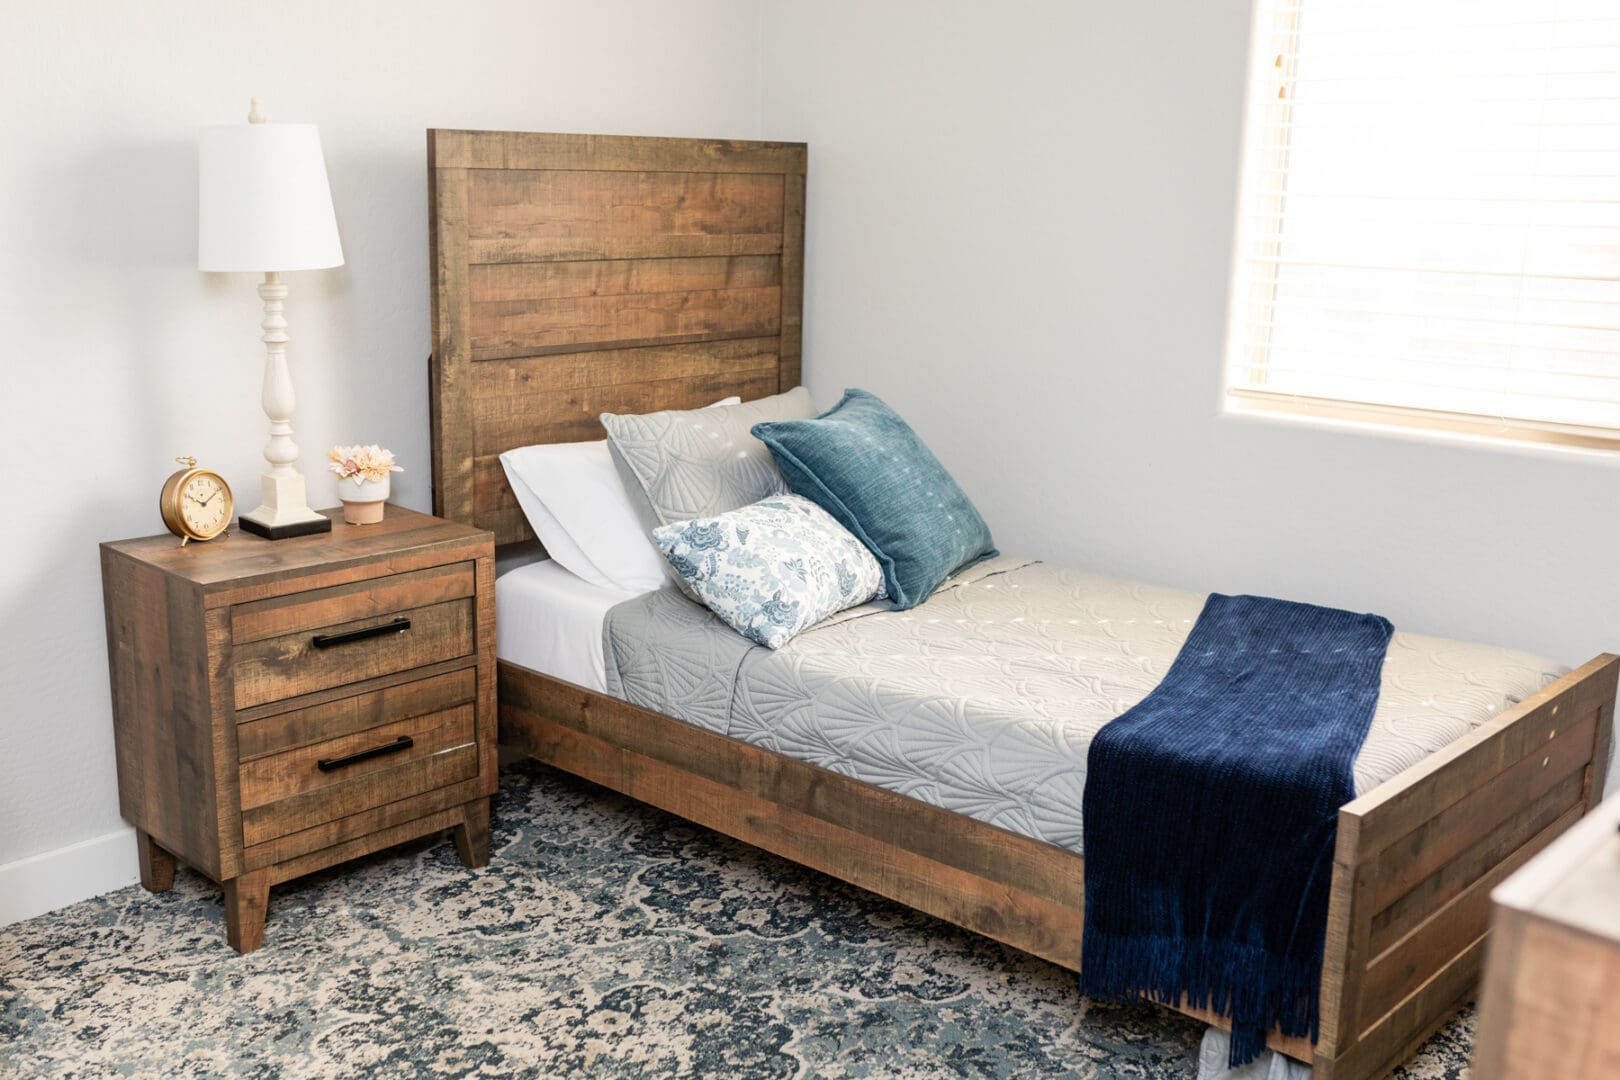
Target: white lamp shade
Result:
[[263, 202]]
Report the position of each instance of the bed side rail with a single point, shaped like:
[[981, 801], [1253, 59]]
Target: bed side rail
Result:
[[1418, 856]]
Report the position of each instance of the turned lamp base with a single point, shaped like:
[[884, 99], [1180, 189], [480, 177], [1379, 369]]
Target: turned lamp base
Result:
[[282, 511]]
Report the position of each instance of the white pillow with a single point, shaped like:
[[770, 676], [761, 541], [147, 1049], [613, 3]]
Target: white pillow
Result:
[[774, 568], [577, 506]]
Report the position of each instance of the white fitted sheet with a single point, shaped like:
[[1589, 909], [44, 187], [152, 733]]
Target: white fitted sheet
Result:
[[549, 620]]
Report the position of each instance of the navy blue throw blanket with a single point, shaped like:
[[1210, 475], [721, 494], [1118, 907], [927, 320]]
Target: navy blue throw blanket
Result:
[[1211, 811]]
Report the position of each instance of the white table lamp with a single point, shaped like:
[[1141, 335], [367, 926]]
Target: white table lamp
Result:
[[264, 206]]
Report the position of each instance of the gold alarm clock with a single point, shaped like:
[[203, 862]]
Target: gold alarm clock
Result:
[[196, 503]]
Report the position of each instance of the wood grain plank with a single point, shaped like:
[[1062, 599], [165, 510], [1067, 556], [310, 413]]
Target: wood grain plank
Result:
[[345, 603], [374, 563], [321, 858], [449, 404], [495, 283], [162, 723], [522, 248], [324, 835], [365, 686], [291, 664], [1029, 865], [1597, 769], [241, 567], [1005, 913], [509, 525], [1394, 1038], [460, 149], [1345, 948], [488, 719], [316, 723], [792, 280], [221, 691], [519, 215], [571, 415], [618, 367], [516, 328]]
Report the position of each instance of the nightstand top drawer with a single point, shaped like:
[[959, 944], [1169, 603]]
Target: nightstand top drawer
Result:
[[368, 598], [308, 659]]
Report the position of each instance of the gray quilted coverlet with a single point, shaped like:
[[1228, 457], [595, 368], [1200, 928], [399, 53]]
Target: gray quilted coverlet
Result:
[[984, 700]]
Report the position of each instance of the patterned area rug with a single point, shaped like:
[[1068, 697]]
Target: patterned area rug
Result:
[[604, 939]]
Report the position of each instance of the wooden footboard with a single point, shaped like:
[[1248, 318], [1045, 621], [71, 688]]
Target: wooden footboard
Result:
[[1416, 858]]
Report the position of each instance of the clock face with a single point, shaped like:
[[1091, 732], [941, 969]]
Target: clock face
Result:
[[205, 505]]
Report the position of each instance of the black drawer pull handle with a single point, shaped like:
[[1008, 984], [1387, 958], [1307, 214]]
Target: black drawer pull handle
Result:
[[326, 641], [327, 764]]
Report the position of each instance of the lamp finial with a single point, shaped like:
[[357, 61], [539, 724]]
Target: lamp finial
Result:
[[254, 115]]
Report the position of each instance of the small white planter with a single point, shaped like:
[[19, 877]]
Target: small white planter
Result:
[[362, 499]]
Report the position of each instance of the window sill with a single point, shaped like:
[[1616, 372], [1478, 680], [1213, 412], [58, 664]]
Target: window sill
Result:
[[1412, 425]]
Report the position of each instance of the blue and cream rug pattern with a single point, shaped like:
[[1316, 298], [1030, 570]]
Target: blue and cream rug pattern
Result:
[[604, 939]]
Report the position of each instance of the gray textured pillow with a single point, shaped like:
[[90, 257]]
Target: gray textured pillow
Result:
[[682, 464]]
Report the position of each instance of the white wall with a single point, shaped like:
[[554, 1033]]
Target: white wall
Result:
[[120, 355], [1019, 231]]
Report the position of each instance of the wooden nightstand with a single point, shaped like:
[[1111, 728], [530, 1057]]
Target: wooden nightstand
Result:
[[1550, 1005], [281, 706]]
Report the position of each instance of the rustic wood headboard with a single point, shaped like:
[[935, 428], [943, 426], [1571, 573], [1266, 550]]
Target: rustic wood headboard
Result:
[[580, 274]]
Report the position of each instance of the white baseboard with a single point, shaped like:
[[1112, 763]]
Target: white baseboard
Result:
[[55, 879]]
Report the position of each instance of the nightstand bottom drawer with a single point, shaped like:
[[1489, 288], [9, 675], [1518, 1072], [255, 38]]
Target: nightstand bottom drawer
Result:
[[311, 785]]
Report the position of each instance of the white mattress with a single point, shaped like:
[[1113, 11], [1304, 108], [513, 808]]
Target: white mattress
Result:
[[551, 621]]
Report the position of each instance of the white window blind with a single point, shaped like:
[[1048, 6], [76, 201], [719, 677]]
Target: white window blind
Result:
[[1429, 227]]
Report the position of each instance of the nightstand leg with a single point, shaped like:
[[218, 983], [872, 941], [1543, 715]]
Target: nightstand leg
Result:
[[157, 865], [246, 899], [472, 835]]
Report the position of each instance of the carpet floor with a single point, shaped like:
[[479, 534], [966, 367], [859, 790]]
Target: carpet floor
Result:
[[604, 939]]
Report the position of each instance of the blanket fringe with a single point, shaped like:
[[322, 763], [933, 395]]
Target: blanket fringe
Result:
[[1256, 989]]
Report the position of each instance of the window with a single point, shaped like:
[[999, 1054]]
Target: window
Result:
[[1429, 229]]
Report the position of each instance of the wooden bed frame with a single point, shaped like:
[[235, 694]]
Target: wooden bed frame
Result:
[[577, 274]]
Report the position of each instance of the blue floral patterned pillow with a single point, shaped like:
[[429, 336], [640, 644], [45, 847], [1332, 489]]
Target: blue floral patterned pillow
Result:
[[772, 568]]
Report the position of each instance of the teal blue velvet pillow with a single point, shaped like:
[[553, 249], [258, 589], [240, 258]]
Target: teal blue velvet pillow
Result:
[[865, 466]]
